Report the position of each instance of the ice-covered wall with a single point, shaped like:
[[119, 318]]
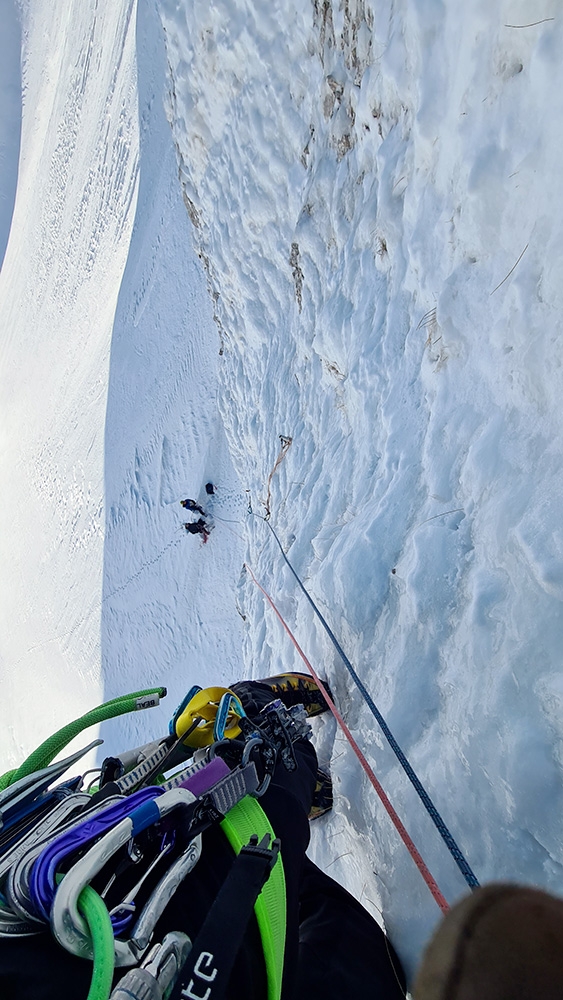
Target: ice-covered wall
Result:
[[376, 192]]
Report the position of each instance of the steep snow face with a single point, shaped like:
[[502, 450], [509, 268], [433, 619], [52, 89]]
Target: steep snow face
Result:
[[169, 614], [108, 391], [375, 189], [69, 238]]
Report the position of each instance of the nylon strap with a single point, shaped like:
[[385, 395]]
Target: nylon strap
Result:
[[206, 974], [249, 884], [246, 818]]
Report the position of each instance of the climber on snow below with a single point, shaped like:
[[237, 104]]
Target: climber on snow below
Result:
[[192, 505], [197, 528]]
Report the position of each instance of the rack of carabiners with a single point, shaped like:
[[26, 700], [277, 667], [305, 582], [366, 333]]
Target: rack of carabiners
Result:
[[98, 862]]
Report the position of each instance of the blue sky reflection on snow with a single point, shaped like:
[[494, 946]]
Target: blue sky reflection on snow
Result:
[[10, 115]]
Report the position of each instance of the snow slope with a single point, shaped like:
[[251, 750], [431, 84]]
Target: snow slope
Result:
[[68, 243], [109, 371], [168, 611], [374, 193], [10, 116]]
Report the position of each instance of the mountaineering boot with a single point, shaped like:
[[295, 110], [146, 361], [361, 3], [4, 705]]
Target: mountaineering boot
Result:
[[322, 796], [297, 689], [291, 688]]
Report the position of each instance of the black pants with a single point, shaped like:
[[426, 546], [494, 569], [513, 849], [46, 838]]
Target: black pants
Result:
[[334, 947], [342, 950]]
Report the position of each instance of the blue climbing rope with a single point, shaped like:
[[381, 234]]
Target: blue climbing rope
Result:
[[453, 848]]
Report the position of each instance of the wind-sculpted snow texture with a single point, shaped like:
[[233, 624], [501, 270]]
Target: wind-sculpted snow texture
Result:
[[362, 179], [67, 246], [169, 609]]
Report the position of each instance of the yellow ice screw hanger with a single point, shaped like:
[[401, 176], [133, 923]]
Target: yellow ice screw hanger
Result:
[[216, 708]]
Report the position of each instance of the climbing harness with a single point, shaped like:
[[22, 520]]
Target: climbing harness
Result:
[[100, 866], [270, 906], [233, 907], [443, 830]]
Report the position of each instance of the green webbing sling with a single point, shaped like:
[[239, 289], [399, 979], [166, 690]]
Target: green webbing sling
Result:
[[244, 819], [51, 747]]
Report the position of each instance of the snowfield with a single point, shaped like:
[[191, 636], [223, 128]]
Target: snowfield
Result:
[[374, 195], [68, 244]]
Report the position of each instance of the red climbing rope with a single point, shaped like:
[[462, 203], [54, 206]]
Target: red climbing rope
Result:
[[407, 840]]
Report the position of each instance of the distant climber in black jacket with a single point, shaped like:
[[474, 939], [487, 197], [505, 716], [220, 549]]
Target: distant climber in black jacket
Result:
[[197, 528], [192, 505]]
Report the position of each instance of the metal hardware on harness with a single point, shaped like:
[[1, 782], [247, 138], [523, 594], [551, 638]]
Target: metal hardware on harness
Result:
[[12, 926], [39, 833], [16, 885], [42, 883], [122, 913], [68, 926], [283, 729], [157, 902], [268, 757], [30, 787], [158, 972]]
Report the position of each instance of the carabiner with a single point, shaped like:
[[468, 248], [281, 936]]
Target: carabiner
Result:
[[229, 711], [197, 722], [180, 709], [17, 797], [67, 924], [157, 902], [42, 829], [13, 926], [16, 886], [122, 913], [42, 884], [158, 972]]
